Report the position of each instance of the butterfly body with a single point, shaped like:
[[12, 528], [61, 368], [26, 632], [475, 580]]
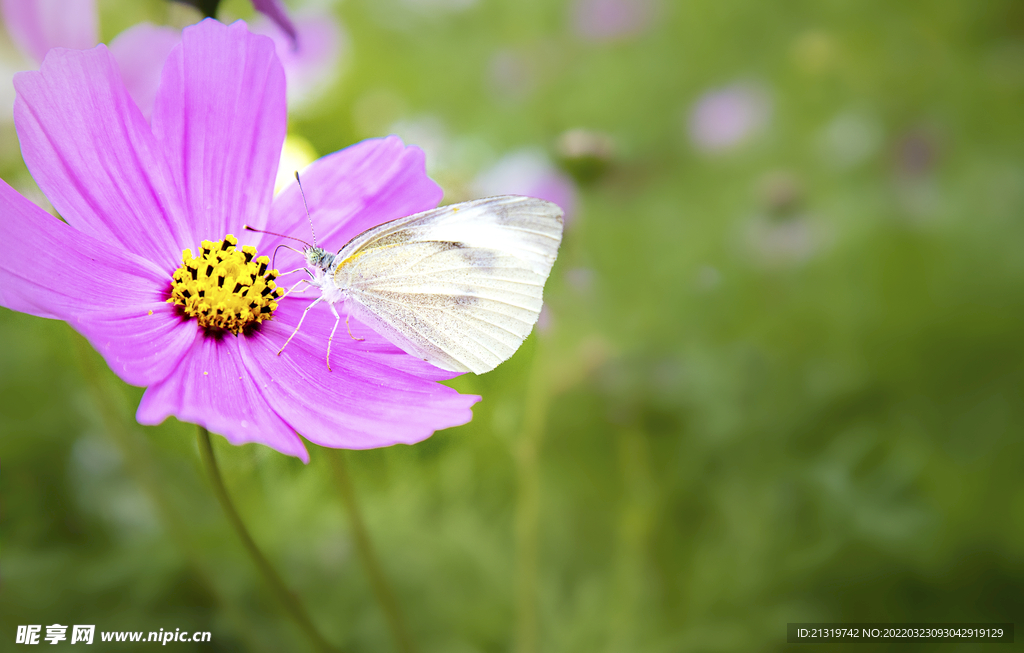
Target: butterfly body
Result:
[[459, 286], [320, 264]]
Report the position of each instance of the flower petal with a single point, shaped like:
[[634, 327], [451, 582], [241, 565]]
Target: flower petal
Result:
[[273, 10], [112, 297], [364, 343], [360, 404], [213, 388], [220, 113], [94, 157], [140, 52], [36, 26], [350, 191]]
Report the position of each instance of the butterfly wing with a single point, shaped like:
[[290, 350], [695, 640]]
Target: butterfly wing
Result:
[[459, 286]]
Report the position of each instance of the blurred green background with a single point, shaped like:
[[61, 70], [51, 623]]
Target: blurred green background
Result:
[[779, 378]]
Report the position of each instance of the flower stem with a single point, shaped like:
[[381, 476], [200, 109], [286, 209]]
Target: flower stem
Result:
[[378, 581], [288, 599], [527, 454]]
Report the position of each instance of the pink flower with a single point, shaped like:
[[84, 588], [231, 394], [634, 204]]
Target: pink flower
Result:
[[134, 195], [724, 118], [611, 20], [36, 26]]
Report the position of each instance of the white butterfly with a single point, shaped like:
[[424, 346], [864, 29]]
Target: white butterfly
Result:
[[459, 286]]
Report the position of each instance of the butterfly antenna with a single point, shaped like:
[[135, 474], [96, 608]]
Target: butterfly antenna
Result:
[[263, 231], [274, 257], [305, 206]]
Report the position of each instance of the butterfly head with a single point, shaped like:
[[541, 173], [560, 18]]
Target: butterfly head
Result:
[[317, 257]]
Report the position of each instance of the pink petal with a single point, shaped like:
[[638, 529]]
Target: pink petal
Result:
[[352, 190], [140, 52], [112, 297], [274, 10], [36, 26], [220, 114], [94, 157], [360, 404], [214, 388]]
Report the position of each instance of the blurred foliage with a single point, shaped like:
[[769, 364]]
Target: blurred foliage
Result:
[[777, 383]]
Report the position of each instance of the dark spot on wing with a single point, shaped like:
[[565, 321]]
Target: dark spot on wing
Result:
[[502, 215], [395, 238], [479, 258]]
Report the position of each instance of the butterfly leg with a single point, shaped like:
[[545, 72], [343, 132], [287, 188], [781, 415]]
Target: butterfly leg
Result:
[[289, 291], [350, 331], [284, 274], [297, 326], [336, 321]]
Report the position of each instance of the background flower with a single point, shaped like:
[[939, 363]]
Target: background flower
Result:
[[38, 25], [724, 118], [611, 20], [309, 52]]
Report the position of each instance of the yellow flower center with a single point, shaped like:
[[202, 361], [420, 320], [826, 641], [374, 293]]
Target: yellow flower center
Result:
[[224, 288]]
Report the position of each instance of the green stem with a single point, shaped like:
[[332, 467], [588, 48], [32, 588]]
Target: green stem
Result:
[[378, 580], [528, 505], [287, 597]]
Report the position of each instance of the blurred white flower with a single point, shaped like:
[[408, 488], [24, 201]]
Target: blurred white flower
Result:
[[510, 75], [849, 139], [724, 118], [611, 20], [780, 243], [528, 172]]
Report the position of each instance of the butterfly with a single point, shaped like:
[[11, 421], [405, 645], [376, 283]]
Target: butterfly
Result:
[[459, 286]]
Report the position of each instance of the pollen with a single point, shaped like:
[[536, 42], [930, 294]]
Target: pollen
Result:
[[224, 288]]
